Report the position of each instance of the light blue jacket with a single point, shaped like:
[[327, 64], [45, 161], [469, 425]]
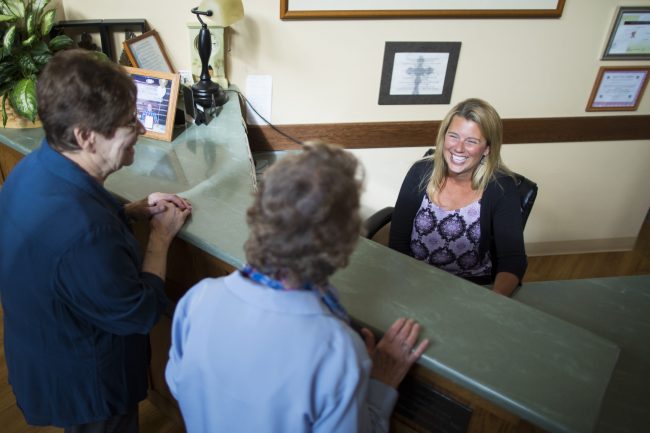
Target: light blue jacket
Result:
[[247, 358]]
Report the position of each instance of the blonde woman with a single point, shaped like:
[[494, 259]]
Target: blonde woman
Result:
[[460, 210]]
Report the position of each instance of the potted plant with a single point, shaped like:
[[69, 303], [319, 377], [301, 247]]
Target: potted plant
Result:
[[25, 49]]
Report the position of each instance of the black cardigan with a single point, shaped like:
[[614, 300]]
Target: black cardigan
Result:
[[501, 222]]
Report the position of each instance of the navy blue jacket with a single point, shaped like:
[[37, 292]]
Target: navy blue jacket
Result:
[[77, 308], [502, 233]]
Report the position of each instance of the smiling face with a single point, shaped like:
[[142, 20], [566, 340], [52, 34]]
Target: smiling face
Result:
[[464, 147]]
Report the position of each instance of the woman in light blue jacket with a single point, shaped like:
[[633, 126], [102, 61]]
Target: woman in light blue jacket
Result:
[[269, 348]]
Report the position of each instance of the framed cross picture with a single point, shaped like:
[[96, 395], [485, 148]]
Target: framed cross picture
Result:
[[418, 72]]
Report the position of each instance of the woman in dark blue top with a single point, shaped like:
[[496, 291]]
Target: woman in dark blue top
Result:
[[460, 209], [79, 298]]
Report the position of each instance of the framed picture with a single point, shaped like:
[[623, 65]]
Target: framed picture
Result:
[[418, 72], [618, 88], [317, 9], [147, 52], [156, 102], [629, 38]]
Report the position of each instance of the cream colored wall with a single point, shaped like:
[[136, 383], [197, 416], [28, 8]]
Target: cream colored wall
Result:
[[593, 196]]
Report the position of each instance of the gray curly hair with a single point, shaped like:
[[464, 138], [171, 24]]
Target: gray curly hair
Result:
[[305, 218]]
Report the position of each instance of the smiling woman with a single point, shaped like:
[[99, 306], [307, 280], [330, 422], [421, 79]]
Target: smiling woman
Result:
[[67, 243], [460, 210]]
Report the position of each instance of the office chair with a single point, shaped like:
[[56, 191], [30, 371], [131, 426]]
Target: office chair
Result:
[[526, 188]]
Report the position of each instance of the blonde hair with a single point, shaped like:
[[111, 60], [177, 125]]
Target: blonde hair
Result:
[[488, 120]]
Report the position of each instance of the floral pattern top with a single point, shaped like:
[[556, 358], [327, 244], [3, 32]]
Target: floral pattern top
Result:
[[449, 240]]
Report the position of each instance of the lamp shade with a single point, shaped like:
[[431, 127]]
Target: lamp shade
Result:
[[224, 12]]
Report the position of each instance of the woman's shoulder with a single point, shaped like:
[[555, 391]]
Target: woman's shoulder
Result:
[[503, 179], [420, 169], [423, 164], [502, 185]]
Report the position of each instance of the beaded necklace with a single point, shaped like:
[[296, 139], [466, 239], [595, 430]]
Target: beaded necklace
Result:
[[326, 293]]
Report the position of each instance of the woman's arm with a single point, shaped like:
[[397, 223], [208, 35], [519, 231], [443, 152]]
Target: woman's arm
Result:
[[164, 227], [508, 238]]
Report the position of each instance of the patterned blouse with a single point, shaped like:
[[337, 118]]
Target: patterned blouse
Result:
[[449, 240]]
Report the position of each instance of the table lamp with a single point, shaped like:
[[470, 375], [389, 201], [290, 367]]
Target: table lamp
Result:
[[223, 13]]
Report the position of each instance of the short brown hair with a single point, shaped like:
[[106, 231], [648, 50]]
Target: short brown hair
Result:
[[305, 217], [77, 89]]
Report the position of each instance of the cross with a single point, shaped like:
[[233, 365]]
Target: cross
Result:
[[419, 72]]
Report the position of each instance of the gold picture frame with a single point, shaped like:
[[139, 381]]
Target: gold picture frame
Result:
[[618, 88], [147, 52], [326, 9], [156, 101]]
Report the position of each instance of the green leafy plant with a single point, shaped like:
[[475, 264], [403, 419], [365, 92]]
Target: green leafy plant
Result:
[[25, 49]]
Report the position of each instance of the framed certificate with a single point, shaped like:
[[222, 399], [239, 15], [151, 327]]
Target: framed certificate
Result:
[[618, 88], [630, 35], [156, 101]]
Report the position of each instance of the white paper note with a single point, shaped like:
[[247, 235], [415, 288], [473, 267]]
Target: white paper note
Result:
[[259, 92]]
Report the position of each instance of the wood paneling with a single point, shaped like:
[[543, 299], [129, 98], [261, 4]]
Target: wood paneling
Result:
[[593, 265], [414, 134], [8, 159]]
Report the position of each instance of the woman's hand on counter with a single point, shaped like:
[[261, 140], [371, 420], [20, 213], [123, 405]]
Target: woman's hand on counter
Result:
[[396, 352]]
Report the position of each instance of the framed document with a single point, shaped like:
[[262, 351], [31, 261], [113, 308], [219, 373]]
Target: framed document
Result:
[[618, 88], [630, 35], [318, 9], [418, 72], [156, 101], [147, 52]]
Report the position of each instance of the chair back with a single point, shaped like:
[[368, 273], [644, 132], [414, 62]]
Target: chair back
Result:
[[527, 190]]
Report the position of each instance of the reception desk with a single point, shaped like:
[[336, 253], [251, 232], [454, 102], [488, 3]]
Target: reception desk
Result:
[[494, 363], [617, 309]]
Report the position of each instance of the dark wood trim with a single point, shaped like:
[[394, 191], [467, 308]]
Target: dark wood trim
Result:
[[414, 134]]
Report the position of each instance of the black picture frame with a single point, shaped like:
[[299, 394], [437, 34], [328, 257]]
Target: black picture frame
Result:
[[433, 77], [623, 32], [106, 30]]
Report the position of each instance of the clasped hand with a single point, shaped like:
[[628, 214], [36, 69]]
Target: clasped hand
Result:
[[154, 204], [167, 213]]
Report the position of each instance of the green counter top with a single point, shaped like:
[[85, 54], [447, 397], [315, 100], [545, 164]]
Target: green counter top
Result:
[[617, 309], [540, 368]]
